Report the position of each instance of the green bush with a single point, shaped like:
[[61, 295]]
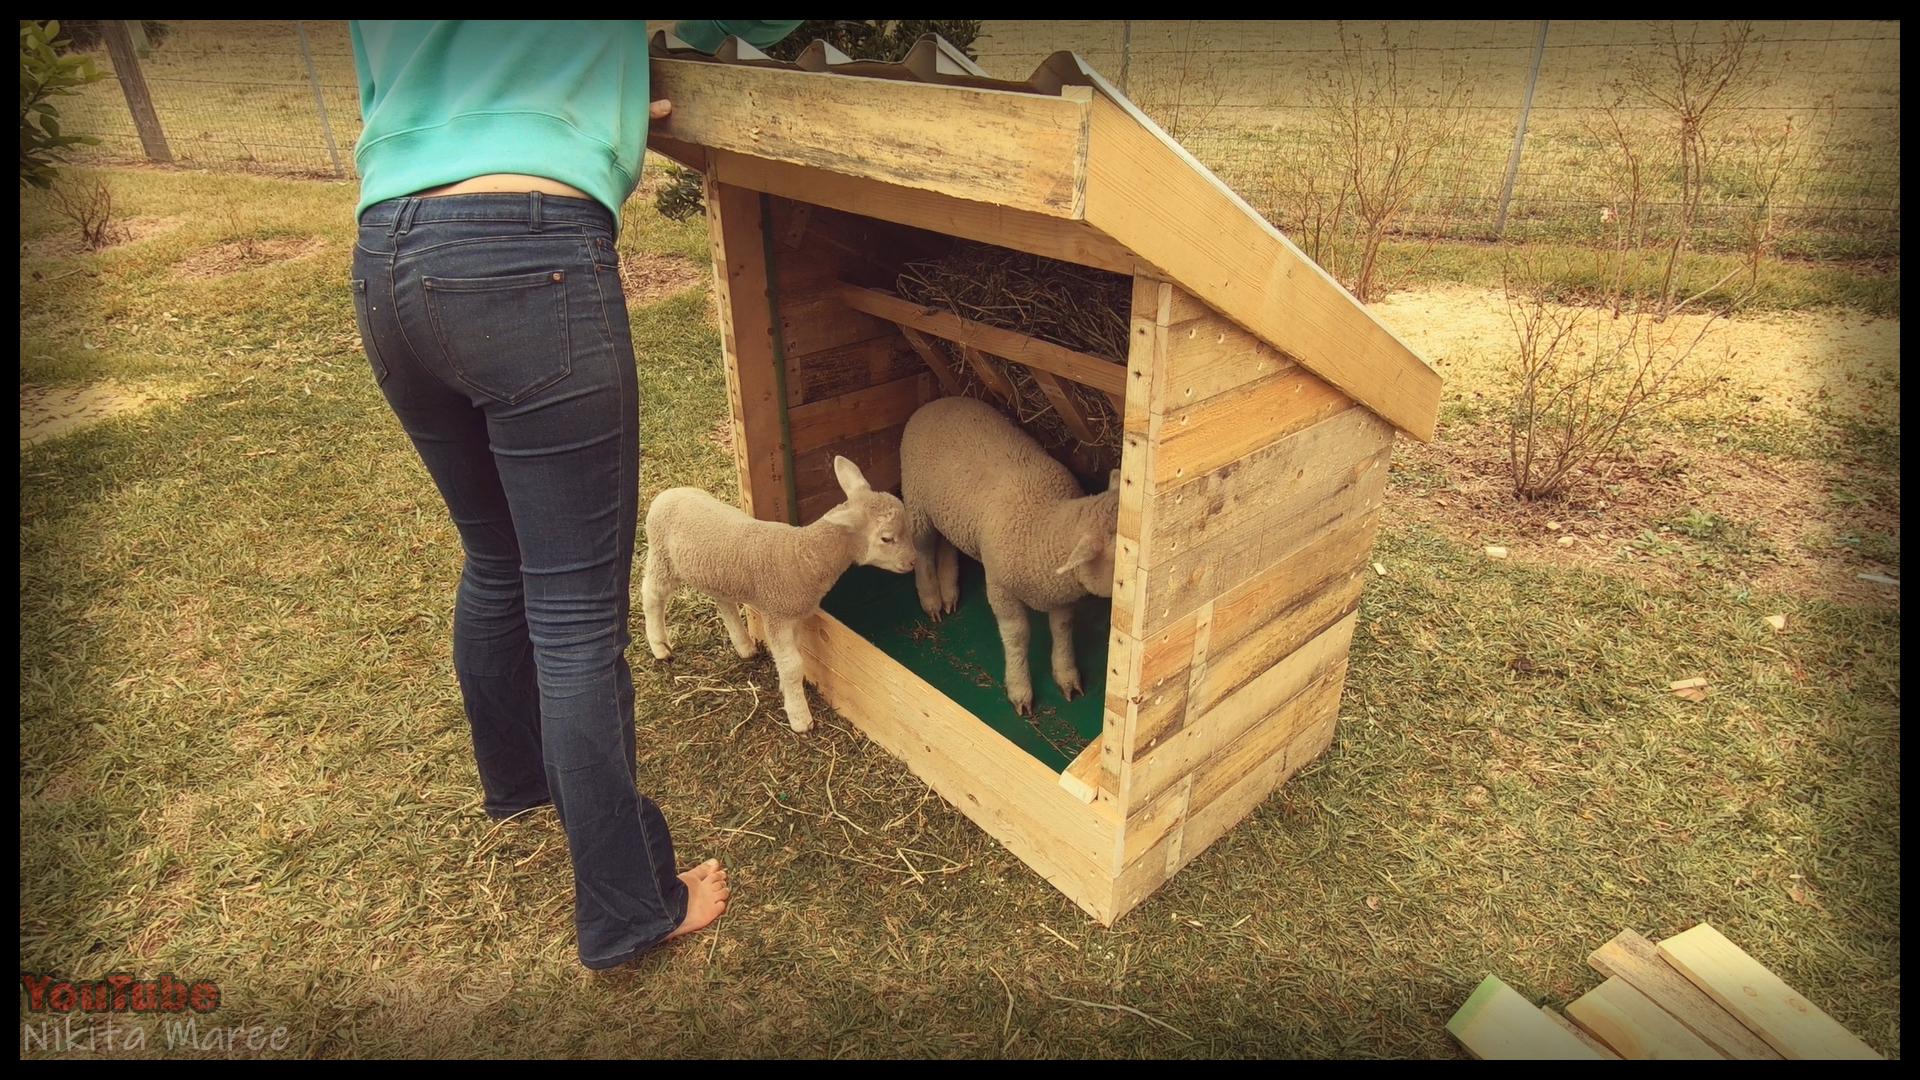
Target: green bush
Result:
[[44, 75]]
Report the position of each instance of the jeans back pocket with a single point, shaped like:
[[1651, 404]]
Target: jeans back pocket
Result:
[[506, 337], [365, 327]]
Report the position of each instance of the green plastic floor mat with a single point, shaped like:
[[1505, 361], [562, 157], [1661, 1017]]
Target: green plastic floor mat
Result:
[[961, 656]]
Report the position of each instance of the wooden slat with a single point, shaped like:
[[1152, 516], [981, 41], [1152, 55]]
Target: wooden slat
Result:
[[998, 786], [1331, 499], [1767, 1006], [1082, 778], [1634, 1027], [1199, 438], [1068, 409], [1259, 486], [1023, 151], [876, 452], [844, 369], [835, 418], [1103, 375], [936, 363], [1314, 706], [986, 222], [1200, 828], [996, 380], [1636, 961], [1175, 757], [1155, 199], [1210, 355], [1497, 1024], [746, 342], [1573, 1029]]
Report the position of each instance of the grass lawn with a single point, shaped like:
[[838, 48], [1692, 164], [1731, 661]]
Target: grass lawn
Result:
[[243, 758]]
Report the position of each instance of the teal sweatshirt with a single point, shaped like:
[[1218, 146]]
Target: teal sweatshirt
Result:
[[567, 100]]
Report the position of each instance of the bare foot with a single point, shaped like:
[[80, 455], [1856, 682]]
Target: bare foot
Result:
[[707, 894]]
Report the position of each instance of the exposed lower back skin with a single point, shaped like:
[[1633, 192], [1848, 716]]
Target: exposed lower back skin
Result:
[[511, 183]]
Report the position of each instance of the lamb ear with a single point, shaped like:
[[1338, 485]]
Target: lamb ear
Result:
[[1084, 551], [1113, 480], [852, 481], [846, 515]]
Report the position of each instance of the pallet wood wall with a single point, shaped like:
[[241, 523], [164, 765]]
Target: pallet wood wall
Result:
[[852, 379], [1249, 497]]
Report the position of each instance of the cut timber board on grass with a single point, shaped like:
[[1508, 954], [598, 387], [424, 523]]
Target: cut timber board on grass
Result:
[[1636, 961], [1788, 1022], [1497, 1024], [1087, 370], [1573, 1029], [1634, 1027]]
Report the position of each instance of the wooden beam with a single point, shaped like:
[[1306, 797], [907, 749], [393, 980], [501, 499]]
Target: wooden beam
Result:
[[949, 382], [1153, 198], [1636, 961], [1069, 409], [1035, 234], [1767, 1006], [1024, 151], [1087, 370], [1497, 1024], [761, 454]]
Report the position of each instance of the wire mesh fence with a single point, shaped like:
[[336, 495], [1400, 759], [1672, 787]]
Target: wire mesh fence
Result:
[[282, 97]]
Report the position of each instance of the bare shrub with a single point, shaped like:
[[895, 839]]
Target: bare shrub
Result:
[[1369, 152], [89, 205], [1583, 375]]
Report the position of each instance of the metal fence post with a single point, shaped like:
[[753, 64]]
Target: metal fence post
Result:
[[1520, 134], [319, 100], [126, 65], [1126, 51], [138, 32]]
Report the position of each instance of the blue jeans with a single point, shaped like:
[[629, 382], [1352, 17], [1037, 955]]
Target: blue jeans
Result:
[[497, 331]]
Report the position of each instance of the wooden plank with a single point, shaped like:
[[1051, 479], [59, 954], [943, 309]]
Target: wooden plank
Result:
[[1024, 151], [996, 380], [1258, 486], [1082, 778], [844, 369], [1759, 999], [1157, 200], [1634, 1027], [1327, 500], [1154, 770], [1270, 735], [936, 363], [761, 453], [986, 222], [1087, 370], [1139, 878], [998, 786], [876, 452], [1636, 961], [1183, 306], [1160, 695], [687, 154], [1210, 355], [814, 320], [1233, 665], [1068, 409], [1497, 1024], [1573, 1029], [1197, 439], [876, 407]]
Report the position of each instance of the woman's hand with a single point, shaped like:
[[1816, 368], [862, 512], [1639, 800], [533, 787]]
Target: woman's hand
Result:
[[659, 109]]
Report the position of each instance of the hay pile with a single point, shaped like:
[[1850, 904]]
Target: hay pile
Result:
[[1077, 307]]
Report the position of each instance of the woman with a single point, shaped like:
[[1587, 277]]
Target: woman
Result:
[[493, 165]]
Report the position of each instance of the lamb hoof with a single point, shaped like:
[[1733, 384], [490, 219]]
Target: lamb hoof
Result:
[[801, 724], [745, 651], [662, 653]]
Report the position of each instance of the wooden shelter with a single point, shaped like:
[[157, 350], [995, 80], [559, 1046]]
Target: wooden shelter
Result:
[[1258, 400]]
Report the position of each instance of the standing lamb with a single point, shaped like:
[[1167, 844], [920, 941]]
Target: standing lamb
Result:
[[782, 570], [973, 480]]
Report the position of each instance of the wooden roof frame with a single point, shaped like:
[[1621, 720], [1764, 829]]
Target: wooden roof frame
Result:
[[1062, 165]]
